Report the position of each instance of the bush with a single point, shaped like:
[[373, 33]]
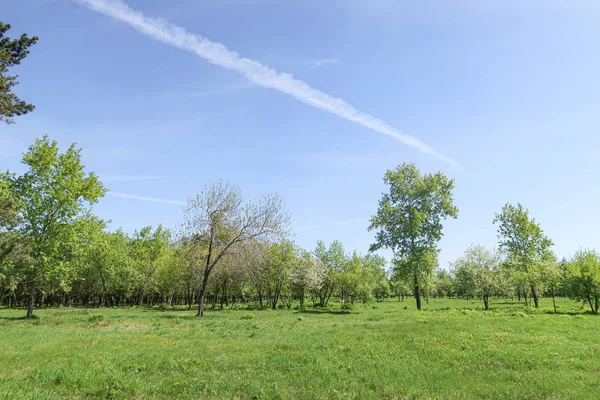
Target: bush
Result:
[[346, 306], [247, 316]]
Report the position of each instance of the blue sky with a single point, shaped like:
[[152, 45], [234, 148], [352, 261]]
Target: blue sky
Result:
[[508, 89]]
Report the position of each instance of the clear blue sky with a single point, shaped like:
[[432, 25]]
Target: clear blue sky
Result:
[[508, 88]]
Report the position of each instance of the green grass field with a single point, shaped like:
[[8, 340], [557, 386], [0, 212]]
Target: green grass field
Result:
[[451, 350]]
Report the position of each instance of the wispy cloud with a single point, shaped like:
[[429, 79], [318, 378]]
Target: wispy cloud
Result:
[[323, 61], [144, 198], [255, 72], [222, 90], [130, 178]]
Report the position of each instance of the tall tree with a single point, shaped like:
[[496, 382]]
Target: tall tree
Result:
[[50, 196], [12, 52], [409, 219], [219, 219], [527, 246]]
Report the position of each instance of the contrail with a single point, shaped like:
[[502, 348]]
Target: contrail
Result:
[[260, 74], [143, 198]]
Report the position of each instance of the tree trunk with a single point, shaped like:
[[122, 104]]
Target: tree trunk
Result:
[[553, 301], [418, 294], [596, 304], [590, 301], [486, 301], [201, 300], [31, 300], [536, 299], [525, 298], [519, 294]]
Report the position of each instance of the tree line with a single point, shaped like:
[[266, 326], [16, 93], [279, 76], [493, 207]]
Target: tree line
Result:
[[409, 221], [228, 251]]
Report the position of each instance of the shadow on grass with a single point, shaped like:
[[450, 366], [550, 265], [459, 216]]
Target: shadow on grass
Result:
[[331, 312], [191, 317], [162, 309], [23, 318]]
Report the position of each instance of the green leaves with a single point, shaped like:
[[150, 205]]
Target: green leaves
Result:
[[51, 200], [583, 279], [12, 52], [409, 219]]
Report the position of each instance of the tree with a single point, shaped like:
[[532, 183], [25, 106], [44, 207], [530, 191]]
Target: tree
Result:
[[477, 273], [583, 278], [444, 283], [50, 197], [12, 52], [374, 279], [553, 277], [409, 219], [334, 259], [526, 244], [348, 277], [307, 277], [149, 250], [8, 209], [280, 261], [218, 219]]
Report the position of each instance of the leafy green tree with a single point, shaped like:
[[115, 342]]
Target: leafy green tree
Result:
[[376, 277], [281, 260], [553, 277], [399, 285], [12, 52], [409, 220], [15, 256], [149, 251], [348, 277], [334, 259], [583, 278], [527, 246], [8, 208], [477, 273], [50, 197], [445, 284]]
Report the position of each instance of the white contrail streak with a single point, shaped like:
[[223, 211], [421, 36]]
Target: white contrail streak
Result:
[[143, 198], [262, 75]]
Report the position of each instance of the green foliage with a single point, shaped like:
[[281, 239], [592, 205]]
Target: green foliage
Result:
[[583, 278], [409, 220], [51, 199], [527, 247], [477, 274], [12, 52]]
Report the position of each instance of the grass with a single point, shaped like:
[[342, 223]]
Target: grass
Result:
[[451, 350]]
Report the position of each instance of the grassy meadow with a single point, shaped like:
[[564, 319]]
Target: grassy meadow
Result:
[[451, 350]]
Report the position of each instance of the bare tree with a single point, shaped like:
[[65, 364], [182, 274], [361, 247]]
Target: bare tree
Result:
[[218, 219]]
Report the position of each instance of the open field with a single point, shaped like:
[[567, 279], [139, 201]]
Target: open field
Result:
[[380, 350]]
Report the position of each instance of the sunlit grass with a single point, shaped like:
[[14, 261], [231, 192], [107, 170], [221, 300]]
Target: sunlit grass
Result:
[[453, 349]]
